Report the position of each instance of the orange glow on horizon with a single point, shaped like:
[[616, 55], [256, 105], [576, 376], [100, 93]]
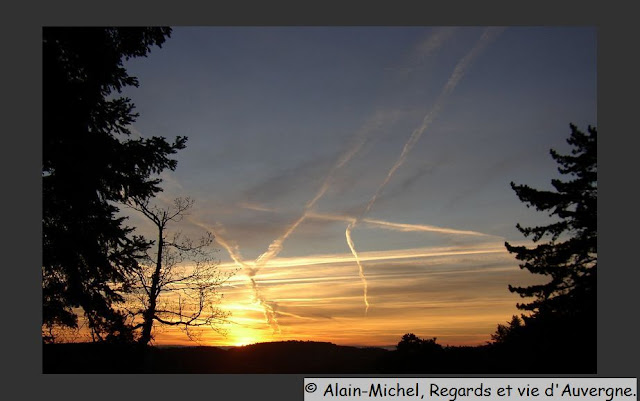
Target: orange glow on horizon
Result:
[[457, 294]]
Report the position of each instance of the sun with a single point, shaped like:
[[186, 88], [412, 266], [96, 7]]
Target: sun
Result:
[[246, 340]]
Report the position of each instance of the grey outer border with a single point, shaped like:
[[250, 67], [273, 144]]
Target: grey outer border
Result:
[[617, 64]]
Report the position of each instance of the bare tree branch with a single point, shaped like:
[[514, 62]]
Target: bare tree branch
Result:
[[167, 289]]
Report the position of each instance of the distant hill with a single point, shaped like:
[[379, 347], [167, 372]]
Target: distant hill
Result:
[[273, 357]]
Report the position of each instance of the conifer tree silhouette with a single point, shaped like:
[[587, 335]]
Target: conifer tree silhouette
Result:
[[569, 256], [90, 162]]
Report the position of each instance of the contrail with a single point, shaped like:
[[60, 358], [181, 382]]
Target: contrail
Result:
[[432, 44], [360, 269], [396, 226], [234, 252], [276, 246], [420, 227], [487, 36], [361, 137], [389, 225], [392, 254], [269, 310], [427, 47]]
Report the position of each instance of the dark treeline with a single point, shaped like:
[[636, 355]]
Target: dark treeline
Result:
[[293, 357], [91, 259]]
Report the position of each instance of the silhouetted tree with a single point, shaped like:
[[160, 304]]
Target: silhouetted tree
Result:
[[410, 343], [562, 314], [569, 256], [168, 291], [89, 162], [510, 332]]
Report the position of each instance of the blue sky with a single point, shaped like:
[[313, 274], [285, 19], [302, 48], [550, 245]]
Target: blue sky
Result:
[[271, 112]]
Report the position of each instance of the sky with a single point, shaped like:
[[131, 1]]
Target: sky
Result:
[[357, 178]]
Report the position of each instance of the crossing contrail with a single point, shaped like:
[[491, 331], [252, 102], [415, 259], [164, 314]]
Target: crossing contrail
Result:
[[427, 47], [460, 69], [234, 252], [276, 246], [361, 137], [433, 43]]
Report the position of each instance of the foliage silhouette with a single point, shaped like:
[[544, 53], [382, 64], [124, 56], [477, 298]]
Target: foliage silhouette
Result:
[[571, 262], [166, 291], [410, 343], [561, 319], [90, 161], [508, 333]]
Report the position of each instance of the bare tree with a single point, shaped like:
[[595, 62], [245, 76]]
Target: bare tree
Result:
[[177, 283]]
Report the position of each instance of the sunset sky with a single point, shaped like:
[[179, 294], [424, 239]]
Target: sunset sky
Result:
[[401, 139]]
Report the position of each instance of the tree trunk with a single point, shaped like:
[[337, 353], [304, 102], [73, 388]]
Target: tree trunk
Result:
[[149, 314]]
